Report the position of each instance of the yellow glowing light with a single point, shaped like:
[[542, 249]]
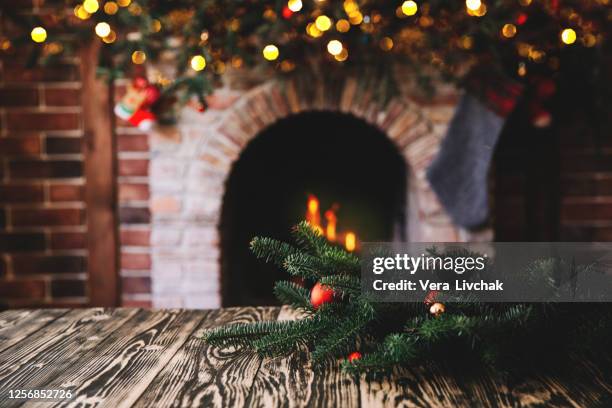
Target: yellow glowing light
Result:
[[156, 26], [198, 63], [91, 6], [342, 56], [80, 13], [409, 8], [522, 69], [313, 31], [356, 18], [38, 34], [386, 43], [508, 30], [350, 241], [568, 36], [323, 23], [294, 5], [479, 12], [334, 47], [110, 38], [5, 45], [473, 5], [343, 26], [350, 6], [139, 57], [124, 3], [111, 8], [102, 29], [270, 52]]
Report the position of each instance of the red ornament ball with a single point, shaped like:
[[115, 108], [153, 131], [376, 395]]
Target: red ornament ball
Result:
[[287, 13], [321, 294], [521, 19], [355, 355]]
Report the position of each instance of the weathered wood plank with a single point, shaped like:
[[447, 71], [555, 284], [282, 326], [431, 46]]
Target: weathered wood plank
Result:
[[47, 354], [199, 375], [119, 369], [293, 381], [16, 325]]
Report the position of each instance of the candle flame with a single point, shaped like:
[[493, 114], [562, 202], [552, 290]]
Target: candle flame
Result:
[[350, 241], [330, 230]]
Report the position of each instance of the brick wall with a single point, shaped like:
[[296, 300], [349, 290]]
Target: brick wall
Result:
[[42, 213]]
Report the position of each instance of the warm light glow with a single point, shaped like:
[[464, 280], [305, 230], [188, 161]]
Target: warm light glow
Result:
[[313, 217], [342, 56], [522, 69], [386, 43], [38, 34], [330, 229], [102, 29], [270, 52], [111, 8], [124, 3], [294, 5], [568, 36], [323, 23], [350, 241], [508, 30], [334, 47], [343, 26], [473, 5], [589, 40], [139, 57], [409, 8], [313, 31], [91, 6], [356, 18], [156, 26], [80, 13], [110, 38], [350, 6], [198, 63]]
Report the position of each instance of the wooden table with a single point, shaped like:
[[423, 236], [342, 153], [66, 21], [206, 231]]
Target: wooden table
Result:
[[142, 358]]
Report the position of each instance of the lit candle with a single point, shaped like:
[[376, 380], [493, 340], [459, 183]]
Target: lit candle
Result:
[[350, 241]]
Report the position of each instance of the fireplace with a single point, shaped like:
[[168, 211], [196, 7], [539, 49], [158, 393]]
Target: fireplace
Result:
[[354, 170], [247, 165]]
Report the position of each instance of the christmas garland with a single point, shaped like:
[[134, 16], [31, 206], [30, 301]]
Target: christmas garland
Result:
[[522, 39], [375, 337]]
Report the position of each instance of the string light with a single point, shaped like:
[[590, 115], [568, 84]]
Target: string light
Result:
[[102, 29], [334, 47], [139, 57], [522, 69], [198, 63], [508, 30], [111, 8], [294, 5], [386, 43], [110, 38], [342, 56], [323, 23], [270, 52], [156, 26], [473, 5], [409, 8], [356, 18], [80, 13], [568, 36], [342, 26], [124, 3], [313, 31], [91, 6], [589, 40], [38, 34]]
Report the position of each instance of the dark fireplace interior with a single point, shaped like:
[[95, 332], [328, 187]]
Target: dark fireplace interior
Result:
[[342, 160]]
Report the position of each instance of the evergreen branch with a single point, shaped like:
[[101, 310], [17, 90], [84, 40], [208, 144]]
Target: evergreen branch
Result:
[[290, 293], [300, 333], [305, 266], [309, 238], [396, 349], [242, 334], [271, 250], [345, 284]]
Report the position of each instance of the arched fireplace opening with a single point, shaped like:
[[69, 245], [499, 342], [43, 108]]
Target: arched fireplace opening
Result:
[[350, 166]]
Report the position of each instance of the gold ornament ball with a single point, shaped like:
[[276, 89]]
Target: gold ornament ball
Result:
[[139, 57], [270, 52], [198, 62], [91, 6], [323, 23], [568, 36], [38, 34], [437, 309], [409, 8]]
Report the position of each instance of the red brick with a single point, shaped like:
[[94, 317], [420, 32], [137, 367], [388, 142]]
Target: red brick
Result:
[[132, 143], [62, 97], [20, 289], [133, 192], [144, 304], [45, 169], [67, 288], [20, 242], [63, 145], [47, 217], [132, 261], [133, 167], [45, 264], [131, 237], [136, 285], [66, 192], [21, 193], [132, 215], [15, 72], [11, 97], [20, 146], [42, 121], [68, 240]]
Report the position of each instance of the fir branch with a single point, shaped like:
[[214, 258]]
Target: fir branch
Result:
[[242, 334], [396, 349], [291, 337], [345, 284], [305, 266], [290, 293], [271, 250]]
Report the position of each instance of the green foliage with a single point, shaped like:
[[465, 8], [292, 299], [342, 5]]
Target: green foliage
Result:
[[391, 334]]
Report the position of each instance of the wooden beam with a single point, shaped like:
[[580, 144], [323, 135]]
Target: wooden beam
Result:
[[100, 188]]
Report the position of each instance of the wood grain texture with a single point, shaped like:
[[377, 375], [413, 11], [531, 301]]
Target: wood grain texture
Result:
[[200, 375], [16, 325], [138, 358]]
